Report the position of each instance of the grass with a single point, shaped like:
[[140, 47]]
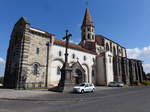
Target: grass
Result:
[[146, 82]]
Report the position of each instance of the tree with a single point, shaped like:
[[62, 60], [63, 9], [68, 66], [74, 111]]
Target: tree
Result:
[[148, 74], [1, 80]]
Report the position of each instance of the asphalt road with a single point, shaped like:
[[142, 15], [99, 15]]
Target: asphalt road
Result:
[[136, 99]]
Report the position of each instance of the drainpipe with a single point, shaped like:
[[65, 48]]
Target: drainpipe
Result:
[[47, 64]]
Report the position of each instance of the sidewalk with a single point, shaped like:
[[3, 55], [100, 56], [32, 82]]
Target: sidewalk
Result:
[[11, 93], [40, 94]]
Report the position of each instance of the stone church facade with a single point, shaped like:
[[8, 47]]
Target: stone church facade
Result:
[[35, 58]]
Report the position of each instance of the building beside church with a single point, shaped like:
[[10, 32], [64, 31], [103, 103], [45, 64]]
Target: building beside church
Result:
[[35, 57]]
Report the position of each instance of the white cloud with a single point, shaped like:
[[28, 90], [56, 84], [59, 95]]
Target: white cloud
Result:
[[2, 61], [139, 53], [2, 66], [142, 54], [146, 68], [75, 42]]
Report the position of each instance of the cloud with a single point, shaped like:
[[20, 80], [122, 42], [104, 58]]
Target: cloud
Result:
[[73, 41], [141, 54], [146, 68], [137, 53], [2, 61], [2, 66]]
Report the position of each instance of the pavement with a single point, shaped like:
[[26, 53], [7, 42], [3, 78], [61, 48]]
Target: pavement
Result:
[[37, 94], [129, 99]]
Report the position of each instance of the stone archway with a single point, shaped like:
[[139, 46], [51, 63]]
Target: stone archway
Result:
[[54, 72], [78, 77], [86, 69], [78, 73]]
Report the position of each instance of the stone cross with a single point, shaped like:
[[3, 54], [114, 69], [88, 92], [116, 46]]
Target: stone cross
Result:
[[67, 37], [65, 69]]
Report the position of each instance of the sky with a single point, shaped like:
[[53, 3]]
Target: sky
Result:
[[126, 22]]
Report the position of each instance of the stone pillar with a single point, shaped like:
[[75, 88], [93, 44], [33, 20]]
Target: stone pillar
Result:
[[139, 63], [132, 72], [125, 70], [120, 69], [117, 68], [137, 72]]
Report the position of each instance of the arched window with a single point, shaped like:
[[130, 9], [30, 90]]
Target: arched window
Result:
[[58, 70], [84, 58], [111, 46], [60, 53], [114, 51], [109, 59], [92, 30], [37, 50], [73, 56], [121, 52], [35, 69], [107, 47], [88, 36], [89, 29], [93, 37]]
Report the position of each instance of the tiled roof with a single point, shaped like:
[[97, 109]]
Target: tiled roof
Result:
[[41, 31], [100, 38], [87, 18], [73, 46]]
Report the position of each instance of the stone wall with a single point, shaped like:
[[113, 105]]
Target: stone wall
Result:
[[128, 71]]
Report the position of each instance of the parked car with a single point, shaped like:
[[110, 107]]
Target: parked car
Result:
[[84, 87], [115, 84]]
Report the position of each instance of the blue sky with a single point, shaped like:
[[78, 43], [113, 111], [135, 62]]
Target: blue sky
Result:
[[126, 22]]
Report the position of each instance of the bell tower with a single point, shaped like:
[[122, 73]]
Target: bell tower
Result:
[[87, 28]]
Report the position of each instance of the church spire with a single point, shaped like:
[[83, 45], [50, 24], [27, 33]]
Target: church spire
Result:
[[87, 29], [87, 21]]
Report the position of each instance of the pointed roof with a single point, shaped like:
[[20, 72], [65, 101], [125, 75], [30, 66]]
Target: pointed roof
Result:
[[23, 20], [87, 18]]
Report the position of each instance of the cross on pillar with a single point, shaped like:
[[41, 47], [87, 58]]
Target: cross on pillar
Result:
[[65, 69], [67, 37]]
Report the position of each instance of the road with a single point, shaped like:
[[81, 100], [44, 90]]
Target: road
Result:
[[135, 99]]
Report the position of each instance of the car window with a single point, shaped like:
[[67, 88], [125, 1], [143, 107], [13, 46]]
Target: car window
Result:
[[86, 85]]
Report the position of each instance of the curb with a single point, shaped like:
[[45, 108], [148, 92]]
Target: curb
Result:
[[56, 100]]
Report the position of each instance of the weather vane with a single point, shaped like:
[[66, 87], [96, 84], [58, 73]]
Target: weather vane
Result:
[[87, 3]]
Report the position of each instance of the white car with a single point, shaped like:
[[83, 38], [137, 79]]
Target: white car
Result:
[[116, 84], [84, 87]]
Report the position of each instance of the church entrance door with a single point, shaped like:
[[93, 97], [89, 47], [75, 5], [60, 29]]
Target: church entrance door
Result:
[[78, 77], [78, 73]]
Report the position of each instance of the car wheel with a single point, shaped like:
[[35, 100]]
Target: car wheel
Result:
[[82, 91], [93, 90]]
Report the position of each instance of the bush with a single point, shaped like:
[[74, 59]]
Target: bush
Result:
[[146, 82], [1, 80]]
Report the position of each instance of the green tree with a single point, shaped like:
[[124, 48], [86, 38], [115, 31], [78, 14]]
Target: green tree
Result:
[[1, 79]]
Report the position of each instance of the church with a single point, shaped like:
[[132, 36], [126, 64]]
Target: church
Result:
[[35, 58]]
